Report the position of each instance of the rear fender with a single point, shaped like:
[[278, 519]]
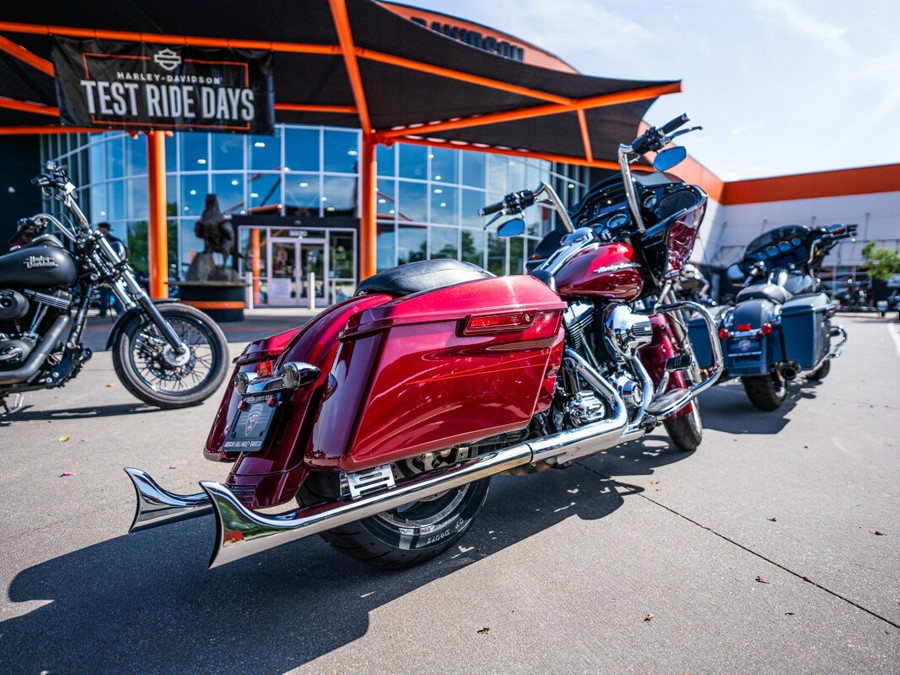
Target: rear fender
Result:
[[747, 352], [272, 475]]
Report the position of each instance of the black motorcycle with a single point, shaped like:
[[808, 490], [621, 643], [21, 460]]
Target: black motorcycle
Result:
[[780, 326], [167, 354]]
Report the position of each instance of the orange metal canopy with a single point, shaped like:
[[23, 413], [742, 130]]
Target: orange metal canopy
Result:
[[346, 63]]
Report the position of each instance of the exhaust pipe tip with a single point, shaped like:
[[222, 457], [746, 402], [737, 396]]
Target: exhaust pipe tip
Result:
[[156, 506], [788, 372]]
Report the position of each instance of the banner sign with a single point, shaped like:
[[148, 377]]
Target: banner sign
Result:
[[141, 86]]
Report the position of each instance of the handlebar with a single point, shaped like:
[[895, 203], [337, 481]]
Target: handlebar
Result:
[[672, 125], [515, 202]]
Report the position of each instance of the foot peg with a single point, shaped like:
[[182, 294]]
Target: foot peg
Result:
[[669, 403]]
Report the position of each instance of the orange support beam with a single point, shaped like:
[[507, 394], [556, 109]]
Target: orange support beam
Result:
[[585, 136], [26, 106], [368, 229], [459, 75], [299, 107], [540, 110], [255, 265], [159, 244], [28, 131], [345, 36], [26, 56]]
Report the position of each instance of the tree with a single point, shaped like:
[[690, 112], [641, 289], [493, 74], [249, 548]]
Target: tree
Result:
[[880, 263]]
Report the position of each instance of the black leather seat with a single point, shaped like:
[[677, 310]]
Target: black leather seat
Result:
[[423, 275], [770, 292]]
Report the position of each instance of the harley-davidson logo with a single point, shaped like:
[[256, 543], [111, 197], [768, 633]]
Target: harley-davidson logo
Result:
[[252, 418], [40, 261], [167, 59], [744, 345], [616, 267]]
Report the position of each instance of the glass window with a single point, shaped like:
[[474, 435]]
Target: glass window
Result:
[[472, 246], [411, 244], [115, 157], [496, 254], [301, 149], [472, 201], [473, 169], [516, 255], [339, 196], [384, 247], [116, 200], [412, 160], [265, 152], [136, 156], [495, 174], [517, 176], [443, 165], [189, 243], [443, 242], [137, 202], [385, 200], [340, 252], [444, 204], [301, 194], [384, 156], [227, 152], [194, 151], [412, 202], [172, 153], [265, 190], [341, 151], [193, 191], [138, 242], [99, 208], [229, 188], [98, 161]]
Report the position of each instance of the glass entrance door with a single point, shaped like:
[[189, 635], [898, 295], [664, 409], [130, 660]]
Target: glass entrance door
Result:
[[284, 275], [312, 260]]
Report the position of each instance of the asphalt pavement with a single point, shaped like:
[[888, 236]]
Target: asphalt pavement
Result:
[[775, 547]]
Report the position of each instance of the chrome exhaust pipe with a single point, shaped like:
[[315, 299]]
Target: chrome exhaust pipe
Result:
[[787, 372], [156, 506], [241, 532]]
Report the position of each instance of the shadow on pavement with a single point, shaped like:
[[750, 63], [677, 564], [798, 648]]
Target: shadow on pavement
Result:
[[147, 598], [726, 408], [32, 414]]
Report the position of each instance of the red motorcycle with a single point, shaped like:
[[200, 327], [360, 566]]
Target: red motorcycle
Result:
[[386, 416]]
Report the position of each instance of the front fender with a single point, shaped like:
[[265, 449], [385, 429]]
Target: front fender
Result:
[[127, 317]]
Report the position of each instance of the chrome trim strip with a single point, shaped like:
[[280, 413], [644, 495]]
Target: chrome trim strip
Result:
[[156, 506]]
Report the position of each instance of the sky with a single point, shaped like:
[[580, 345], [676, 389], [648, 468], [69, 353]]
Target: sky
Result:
[[779, 86]]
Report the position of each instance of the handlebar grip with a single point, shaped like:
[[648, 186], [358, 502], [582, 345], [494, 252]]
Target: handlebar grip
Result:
[[491, 209], [672, 125]]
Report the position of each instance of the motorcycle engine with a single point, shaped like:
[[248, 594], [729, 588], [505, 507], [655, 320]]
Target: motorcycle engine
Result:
[[624, 331], [13, 305]]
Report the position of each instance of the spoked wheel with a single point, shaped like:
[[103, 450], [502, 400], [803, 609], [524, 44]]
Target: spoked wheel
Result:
[[686, 431], [766, 392], [155, 373], [412, 533]]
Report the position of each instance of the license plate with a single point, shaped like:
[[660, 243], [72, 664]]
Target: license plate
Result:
[[744, 345], [252, 425]]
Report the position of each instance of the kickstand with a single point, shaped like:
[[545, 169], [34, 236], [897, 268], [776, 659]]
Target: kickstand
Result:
[[17, 404]]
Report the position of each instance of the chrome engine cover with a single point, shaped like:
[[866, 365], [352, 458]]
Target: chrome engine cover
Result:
[[624, 331]]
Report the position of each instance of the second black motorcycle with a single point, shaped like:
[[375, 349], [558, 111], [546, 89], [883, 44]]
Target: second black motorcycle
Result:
[[167, 354]]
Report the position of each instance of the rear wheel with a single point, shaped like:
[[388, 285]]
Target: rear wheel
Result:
[[408, 535], [151, 370], [686, 431], [766, 392], [821, 372]]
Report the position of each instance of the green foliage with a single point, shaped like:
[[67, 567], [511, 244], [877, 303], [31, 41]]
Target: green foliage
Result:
[[139, 243], [880, 263]]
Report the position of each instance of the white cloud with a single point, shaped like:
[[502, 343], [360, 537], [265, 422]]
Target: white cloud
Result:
[[795, 17], [737, 131]]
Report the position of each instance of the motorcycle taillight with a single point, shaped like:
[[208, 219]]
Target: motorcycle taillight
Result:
[[264, 368]]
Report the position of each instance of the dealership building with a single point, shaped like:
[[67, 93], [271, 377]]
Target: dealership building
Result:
[[296, 197]]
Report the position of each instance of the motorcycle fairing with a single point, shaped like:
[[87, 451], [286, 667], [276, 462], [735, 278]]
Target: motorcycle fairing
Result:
[[437, 369]]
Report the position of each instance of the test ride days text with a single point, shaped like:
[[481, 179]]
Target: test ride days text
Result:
[[162, 100]]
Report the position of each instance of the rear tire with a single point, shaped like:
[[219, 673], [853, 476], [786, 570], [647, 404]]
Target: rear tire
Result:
[[143, 361], [686, 431], [404, 537], [821, 372], [766, 392]]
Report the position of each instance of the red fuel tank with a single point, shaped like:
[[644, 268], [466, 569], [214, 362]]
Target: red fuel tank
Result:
[[610, 271]]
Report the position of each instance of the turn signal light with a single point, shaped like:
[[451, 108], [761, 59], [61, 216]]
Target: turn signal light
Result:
[[766, 329], [743, 326], [498, 323], [264, 369], [723, 333]]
